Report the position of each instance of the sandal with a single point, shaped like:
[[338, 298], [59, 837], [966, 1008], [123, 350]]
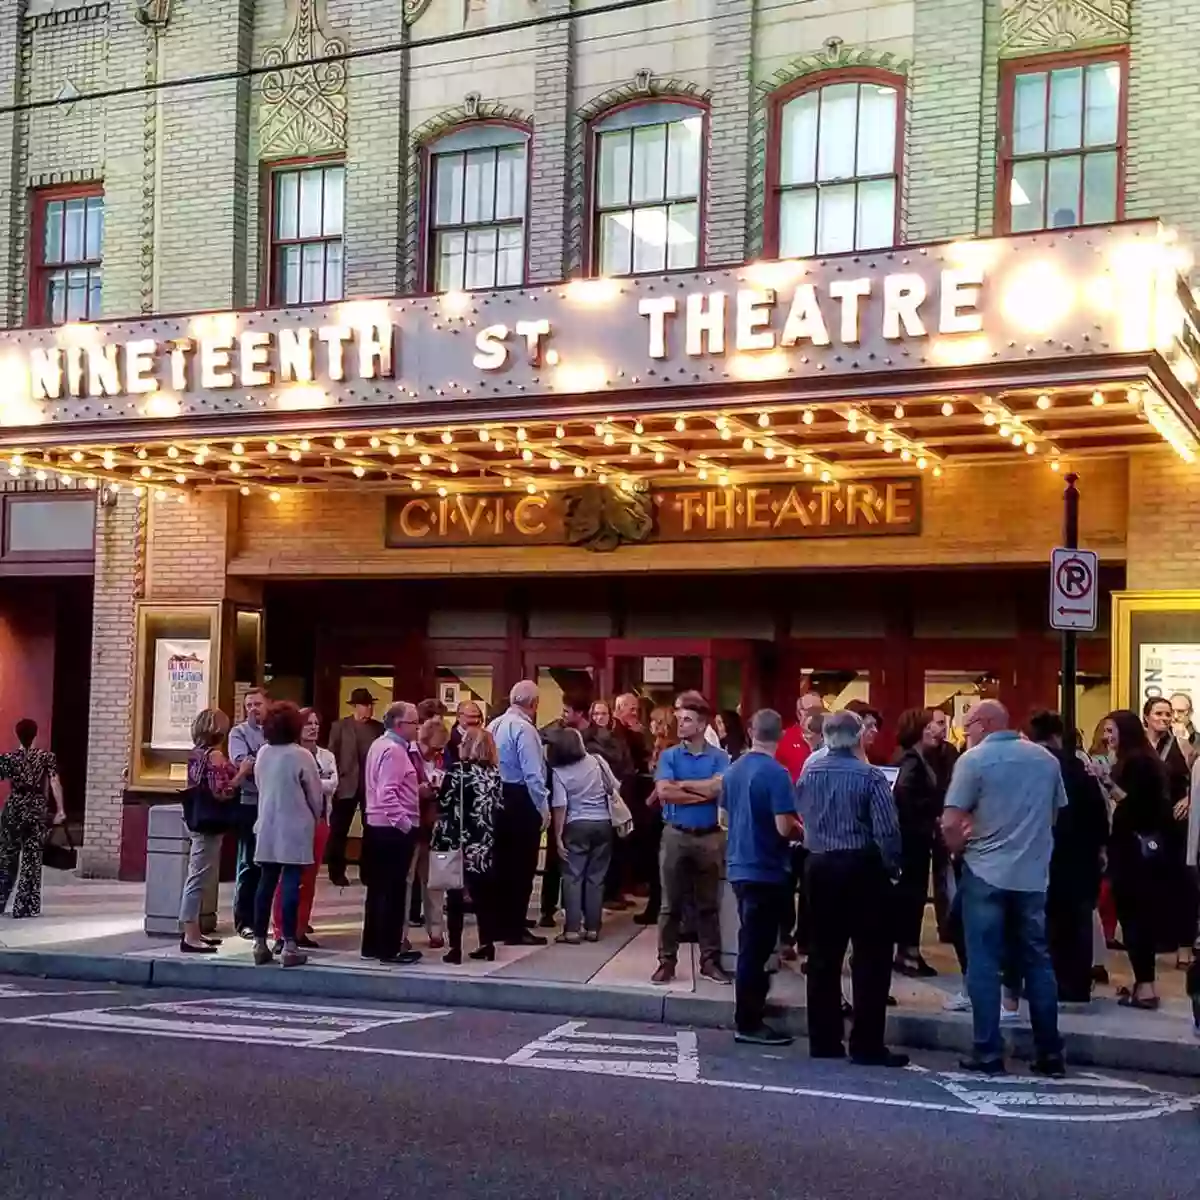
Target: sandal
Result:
[[1146, 1003]]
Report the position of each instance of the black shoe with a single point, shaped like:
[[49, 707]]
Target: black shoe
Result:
[[277, 946], [847, 1008], [906, 967], [764, 1035], [405, 958], [209, 940], [484, 954], [831, 1052], [547, 922], [527, 939], [690, 939], [1114, 944], [649, 917], [453, 957], [983, 1066], [1052, 1067], [530, 923], [308, 929], [339, 881], [1100, 975], [892, 1002], [306, 943], [246, 932], [881, 1058], [924, 970], [186, 947], [416, 920]]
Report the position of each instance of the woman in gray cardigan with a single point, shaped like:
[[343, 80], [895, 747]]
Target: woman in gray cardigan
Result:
[[289, 806]]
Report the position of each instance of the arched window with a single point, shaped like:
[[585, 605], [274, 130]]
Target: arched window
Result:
[[647, 188], [477, 201], [835, 156]]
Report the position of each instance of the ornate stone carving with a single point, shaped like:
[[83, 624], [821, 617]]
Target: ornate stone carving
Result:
[[304, 107], [599, 517], [833, 56], [1029, 26], [156, 13], [414, 10]]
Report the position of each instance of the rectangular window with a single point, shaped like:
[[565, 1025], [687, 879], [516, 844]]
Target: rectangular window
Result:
[[1064, 147], [68, 255], [307, 217], [478, 217], [648, 197]]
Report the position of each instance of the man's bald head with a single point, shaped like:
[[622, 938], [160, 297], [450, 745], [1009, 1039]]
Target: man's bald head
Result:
[[984, 718]]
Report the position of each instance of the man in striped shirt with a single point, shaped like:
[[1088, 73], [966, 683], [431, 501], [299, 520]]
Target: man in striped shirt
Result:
[[852, 835]]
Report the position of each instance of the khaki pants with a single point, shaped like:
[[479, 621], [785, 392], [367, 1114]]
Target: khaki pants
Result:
[[690, 862], [431, 901]]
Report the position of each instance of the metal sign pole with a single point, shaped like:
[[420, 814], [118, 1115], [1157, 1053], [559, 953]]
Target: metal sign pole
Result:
[[1070, 648]]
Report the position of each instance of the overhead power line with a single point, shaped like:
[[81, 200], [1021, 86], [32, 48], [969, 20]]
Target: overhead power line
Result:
[[344, 56]]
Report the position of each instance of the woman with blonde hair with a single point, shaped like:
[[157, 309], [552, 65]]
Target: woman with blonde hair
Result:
[[207, 767], [468, 802]]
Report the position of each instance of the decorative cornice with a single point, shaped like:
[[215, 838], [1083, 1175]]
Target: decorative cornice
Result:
[[414, 10], [66, 16], [473, 108], [303, 107], [834, 56], [1035, 26], [643, 86]]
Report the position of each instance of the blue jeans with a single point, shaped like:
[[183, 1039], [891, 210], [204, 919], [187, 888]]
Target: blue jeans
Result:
[[286, 877], [999, 922], [247, 870]]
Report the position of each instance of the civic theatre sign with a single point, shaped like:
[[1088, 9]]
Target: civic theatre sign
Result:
[[990, 304], [600, 517]]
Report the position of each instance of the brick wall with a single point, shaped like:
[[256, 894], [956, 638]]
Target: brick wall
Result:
[[188, 545], [969, 519], [1164, 523], [120, 538]]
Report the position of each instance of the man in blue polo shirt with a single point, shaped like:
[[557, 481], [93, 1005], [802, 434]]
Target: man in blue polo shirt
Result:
[[693, 846], [757, 795]]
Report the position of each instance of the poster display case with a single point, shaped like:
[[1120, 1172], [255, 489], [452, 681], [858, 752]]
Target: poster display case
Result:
[[1156, 647], [188, 657]]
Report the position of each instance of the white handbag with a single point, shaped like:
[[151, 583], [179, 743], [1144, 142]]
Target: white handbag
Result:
[[618, 810], [446, 871]]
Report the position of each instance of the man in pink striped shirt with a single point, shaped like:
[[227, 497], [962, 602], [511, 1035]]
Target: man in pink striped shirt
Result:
[[392, 820]]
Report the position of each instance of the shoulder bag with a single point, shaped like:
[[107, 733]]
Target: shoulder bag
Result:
[[202, 811], [618, 810], [58, 851], [446, 866]]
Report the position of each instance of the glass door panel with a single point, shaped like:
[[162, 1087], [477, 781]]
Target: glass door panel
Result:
[[557, 684], [1093, 702], [836, 686], [660, 678], [456, 684], [379, 681], [953, 692]]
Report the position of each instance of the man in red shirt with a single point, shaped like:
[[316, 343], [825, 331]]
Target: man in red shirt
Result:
[[795, 747]]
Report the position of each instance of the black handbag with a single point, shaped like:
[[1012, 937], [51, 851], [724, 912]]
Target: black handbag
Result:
[[202, 811], [58, 851]]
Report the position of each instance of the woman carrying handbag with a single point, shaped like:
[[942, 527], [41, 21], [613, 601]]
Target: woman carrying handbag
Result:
[[461, 848], [34, 777]]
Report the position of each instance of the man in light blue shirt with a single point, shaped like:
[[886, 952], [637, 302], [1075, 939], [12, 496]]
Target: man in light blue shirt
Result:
[[525, 811], [245, 741], [1000, 811]]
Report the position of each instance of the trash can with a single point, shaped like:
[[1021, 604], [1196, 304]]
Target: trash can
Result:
[[168, 845]]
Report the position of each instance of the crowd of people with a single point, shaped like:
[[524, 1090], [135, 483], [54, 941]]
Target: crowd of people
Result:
[[1023, 835]]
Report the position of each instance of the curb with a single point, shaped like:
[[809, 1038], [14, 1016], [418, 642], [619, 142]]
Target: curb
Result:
[[945, 1032]]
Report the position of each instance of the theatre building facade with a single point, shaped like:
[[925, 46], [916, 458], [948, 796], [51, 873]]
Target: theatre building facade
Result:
[[740, 346]]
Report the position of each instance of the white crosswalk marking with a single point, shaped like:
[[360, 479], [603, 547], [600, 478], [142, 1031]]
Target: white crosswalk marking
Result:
[[658, 1056]]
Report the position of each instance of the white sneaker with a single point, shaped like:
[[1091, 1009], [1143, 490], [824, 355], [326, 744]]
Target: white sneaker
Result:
[[1010, 1016], [958, 1003]]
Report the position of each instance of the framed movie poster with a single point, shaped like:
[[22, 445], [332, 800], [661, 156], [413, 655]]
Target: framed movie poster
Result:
[[181, 690], [1156, 647]]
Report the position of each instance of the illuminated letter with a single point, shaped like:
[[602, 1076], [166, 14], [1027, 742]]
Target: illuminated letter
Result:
[[657, 308], [180, 349], [849, 292], [706, 315], [753, 313], [685, 500], [533, 332], [104, 375], [335, 338], [470, 519], [254, 358], [375, 351], [898, 504], [139, 366], [860, 499], [490, 351], [960, 301], [295, 355], [527, 516], [804, 319], [725, 508], [902, 297], [75, 372], [406, 526], [46, 373], [826, 491], [792, 509], [756, 519], [215, 364]]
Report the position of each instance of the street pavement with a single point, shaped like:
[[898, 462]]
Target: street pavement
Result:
[[113, 1092]]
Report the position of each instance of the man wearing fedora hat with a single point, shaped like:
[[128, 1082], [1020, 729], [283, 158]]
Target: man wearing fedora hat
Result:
[[349, 740]]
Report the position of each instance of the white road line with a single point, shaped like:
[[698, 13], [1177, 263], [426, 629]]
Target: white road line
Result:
[[10, 991], [1083, 1079], [559, 1050]]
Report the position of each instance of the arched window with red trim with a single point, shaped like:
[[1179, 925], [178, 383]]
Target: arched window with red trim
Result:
[[834, 164], [647, 188], [477, 194]]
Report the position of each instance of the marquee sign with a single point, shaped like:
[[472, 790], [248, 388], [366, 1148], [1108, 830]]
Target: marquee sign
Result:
[[603, 517], [887, 314]]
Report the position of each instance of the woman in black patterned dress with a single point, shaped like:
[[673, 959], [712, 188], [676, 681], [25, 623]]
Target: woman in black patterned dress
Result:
[[472, 784], [34, 777]]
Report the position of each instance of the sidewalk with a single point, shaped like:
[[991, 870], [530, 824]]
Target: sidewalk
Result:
[[92, 929]]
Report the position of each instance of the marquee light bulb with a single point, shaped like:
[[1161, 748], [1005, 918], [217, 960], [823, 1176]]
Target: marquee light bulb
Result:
[[454, 468], [887, 447], [145, 472], [359, 471], [243, 489], [1097, 398], [484, 436], [1054, 464], [447, 438], [789, 462], [937, 472], [339, 443], [415, 485], [702, 473], [922, 463], [747, 443], [1017, 439], [578, 472], [659, 457], [899, 412], [554, 464], [235, 468], [531, 488], [441, 491], [499, 446], [305, 445], [527, 454], [294, 455], [238, 448], [680, 424], [635, 449], [172, 451], [808, 468], [870, 436], [764, 419], [638, 427], [769, 453], [598, 430], [77, 455], [274, 497], [905, 454], [989, 419], [947, 409], [271, 447], [559, 431], [726, 434], [1004, 430], [373, 442], [394, 450], [681, 465], [159, 495], [609, 439], [520, 434], [181, 479], [603, 478], [1030, 448], [723, 480], [410, 439], [808, 417], [825, 477], [1043, 401], [426, 460]]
